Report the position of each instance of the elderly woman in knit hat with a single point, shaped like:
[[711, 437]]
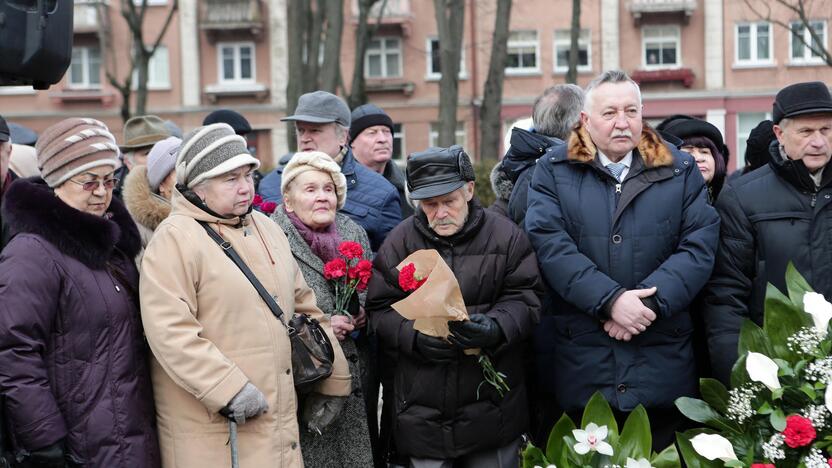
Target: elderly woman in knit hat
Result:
[[74, 371], [148, 189], [704, 142], [313, 189], [217, 346]]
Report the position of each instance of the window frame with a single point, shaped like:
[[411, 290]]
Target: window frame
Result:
[[86, 82], [154, 85], [236, 46], [401, 135], [459, 134], [678, 42], [741, 138], [810, 60], [382, 52], [431, 75], [519, 71], [753, 42], [588, 43]]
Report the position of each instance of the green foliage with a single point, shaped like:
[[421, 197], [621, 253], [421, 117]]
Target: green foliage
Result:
[[482, 183]]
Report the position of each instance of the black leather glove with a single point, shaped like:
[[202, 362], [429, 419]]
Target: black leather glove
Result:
[[52, 456], [435, 349], [480, 331]]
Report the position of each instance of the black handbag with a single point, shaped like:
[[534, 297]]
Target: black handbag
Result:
[[312, 353]]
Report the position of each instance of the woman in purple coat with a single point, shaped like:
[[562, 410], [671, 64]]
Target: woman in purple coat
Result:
[[73, 376]]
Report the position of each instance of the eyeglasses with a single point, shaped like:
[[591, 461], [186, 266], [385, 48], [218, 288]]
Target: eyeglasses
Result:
[[92, 185]]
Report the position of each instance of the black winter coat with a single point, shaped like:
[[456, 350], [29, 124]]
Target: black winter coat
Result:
[[437, 413], [594, 237], [72, 355], [519, 161], [770, 217]]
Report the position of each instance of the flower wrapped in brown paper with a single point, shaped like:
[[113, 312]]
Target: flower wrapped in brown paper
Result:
[[435, 302]]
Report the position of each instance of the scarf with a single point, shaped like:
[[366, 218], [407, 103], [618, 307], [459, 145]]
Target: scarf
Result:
[[324, 243]]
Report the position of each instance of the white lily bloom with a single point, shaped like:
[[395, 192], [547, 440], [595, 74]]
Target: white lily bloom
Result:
[[640, 463], [827, 397], [592, 439], [821, 311], [762, 369], [713, 446]]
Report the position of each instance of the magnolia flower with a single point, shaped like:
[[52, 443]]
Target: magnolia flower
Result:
[[640, 463], [821, 311], [713, 446], [592, 439], [762, 369]]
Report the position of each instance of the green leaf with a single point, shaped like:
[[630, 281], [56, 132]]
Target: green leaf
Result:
[[668, 458], [765, 408], [739, 376], [778, 420], [714, 393], [635, 441], [753, 338], [555, 447], [809, 390], [782, 320], [689, 455], [700, 411], [533, 456], [797, 285], [598, 411]]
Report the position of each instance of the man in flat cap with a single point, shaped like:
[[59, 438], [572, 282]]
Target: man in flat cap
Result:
[[779, 213], [322, 123], [441, 418], [140, 134]]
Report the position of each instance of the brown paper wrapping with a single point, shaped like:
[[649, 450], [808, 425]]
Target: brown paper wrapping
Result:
[[436, 301]]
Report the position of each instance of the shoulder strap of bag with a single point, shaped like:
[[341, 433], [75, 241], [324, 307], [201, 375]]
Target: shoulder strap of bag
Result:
[[235, 257]]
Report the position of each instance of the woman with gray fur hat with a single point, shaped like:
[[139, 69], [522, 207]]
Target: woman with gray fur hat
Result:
[[218, 348]]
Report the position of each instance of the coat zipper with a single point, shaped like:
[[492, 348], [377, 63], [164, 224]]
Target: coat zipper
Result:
[[814, 198]]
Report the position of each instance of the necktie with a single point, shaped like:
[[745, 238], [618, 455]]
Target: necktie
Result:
[[616, 169]]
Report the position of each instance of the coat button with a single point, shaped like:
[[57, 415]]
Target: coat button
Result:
[[686, 163], [622, 388], [676, 170], [294, 445], [79, 397], [616, 239], [288, 371], [827, 196]]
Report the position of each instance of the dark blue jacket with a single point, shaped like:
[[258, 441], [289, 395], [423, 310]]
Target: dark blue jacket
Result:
[[591, 242], [372, 201], [518, 163]]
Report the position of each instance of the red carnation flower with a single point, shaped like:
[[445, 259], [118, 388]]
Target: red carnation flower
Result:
[[762, 465], [799, 431], [268, 207], [257, 200], [351, 250], [408, 280], [335, 268]]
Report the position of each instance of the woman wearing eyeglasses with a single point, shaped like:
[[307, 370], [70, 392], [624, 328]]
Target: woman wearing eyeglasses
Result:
[[73, 372]]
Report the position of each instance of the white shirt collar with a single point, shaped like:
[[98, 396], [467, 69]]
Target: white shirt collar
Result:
[[627, 160]]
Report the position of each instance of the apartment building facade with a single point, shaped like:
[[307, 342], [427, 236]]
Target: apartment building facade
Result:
[[714, 59]]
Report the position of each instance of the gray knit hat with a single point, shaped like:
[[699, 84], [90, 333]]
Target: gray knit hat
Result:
[[211, 151], [73, 146], [161, 161]]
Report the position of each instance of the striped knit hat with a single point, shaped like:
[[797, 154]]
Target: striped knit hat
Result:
[[73, 146], [211, 151]]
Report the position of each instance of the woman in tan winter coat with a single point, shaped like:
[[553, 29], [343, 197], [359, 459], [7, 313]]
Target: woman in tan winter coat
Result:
[[216, 344]]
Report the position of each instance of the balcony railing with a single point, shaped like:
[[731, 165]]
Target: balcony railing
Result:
[[87, 16], [683, 8], [230, 15], [396, 13]]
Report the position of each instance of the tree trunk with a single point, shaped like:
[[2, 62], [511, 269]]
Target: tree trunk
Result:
[[574, 36], [492, 100], [296, 29], [450, 15], [331, 68], [313, 46], [141, 68], [363, 34]]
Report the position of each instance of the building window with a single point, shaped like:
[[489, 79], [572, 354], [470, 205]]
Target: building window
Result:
[[434, 67], [158, 74], [661, 47], [398, 142], [753, 44], [523, 50], [563, 42], [746, 121], [459, 135], [799, 51], [383, 58], [237, 62], [85, 70]]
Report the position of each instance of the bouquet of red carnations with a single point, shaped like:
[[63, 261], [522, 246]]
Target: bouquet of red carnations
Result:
[[349, 273]]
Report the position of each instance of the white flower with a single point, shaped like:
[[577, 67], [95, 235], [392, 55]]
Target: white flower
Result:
[[762, 369], [827, 398], [640, 463], [592, 439], [713, 446], [547, 466], [773, 449], [821, 311]]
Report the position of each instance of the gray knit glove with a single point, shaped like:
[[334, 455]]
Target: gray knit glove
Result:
[[320, 410], [246, 404]]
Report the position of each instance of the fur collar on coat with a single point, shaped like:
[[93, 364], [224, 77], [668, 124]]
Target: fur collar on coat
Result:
[[147, 208], [30, 206], [652, 149]]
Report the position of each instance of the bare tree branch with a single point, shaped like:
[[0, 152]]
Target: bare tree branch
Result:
[[815, 42]]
